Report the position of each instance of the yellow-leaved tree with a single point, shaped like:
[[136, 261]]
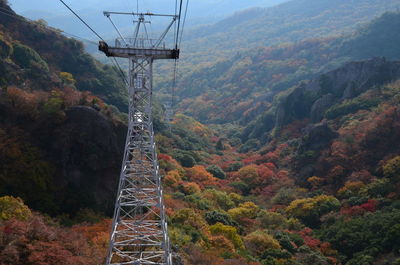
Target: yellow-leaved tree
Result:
[[259, 241], [309, 210], [11, 207], [229, 232]]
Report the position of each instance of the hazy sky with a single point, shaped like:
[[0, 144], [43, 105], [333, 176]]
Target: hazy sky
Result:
[[200, 11], [198, 7]]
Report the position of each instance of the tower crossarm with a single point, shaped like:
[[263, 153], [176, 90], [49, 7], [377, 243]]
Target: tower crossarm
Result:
[[155, 53]]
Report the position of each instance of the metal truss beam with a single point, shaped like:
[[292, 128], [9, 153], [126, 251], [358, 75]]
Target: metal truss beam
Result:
[[139, 231]]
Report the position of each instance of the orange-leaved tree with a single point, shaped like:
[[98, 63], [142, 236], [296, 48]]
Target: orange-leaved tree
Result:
[[201, 176]]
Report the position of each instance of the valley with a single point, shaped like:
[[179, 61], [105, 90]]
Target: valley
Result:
[[283, 149]]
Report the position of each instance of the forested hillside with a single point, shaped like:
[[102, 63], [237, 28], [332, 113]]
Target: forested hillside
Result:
[[50, 120], [295, 173], [288, 22], [242, 87], [39, 44], [58, 122]]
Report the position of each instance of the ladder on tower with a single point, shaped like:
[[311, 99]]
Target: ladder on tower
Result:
[[139, 234]]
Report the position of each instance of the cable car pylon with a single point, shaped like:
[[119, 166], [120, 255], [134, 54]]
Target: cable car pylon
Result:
[[139, 234]]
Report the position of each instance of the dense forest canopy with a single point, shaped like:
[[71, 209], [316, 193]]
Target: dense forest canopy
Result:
[[241, 88]]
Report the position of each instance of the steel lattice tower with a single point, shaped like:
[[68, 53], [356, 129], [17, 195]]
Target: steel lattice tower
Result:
[[139, 231]]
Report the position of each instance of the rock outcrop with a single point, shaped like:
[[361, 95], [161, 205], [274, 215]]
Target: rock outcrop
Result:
[[311, 100]]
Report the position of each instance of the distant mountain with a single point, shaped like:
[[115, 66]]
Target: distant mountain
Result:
[[229, 59], [242, 87], [292, 21], [199, 12], [198, 8]]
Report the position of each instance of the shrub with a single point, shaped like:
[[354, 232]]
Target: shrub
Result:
[[361, 260], [276, 253], [241, 186], [272, 220], [186, 160], [172, 178], [370, 234], [289, 241], [350, 189], [229, 232], [350, 106], [392, 238], [191, 188], [308, 256], [392, 168], [214, 217], [53, 107], [178, 236], [259, 241], [220, 199], [86, 215], [270, 261], [315, 181], [198, 202], [249, 175], [236, 198], [11, 207], [198, 257], [378, 188], [5, 48], [219, 145], [309, 210], [28, 58], [245, 210], [167, 164], [221, 244], [250, 145], [67, 78], [199, 175], [189, 217], [396, 262], [235, 166], [216, 171], [285, 196]]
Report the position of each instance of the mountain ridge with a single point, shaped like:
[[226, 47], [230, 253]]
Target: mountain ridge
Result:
[[200, 11], [255, 78]]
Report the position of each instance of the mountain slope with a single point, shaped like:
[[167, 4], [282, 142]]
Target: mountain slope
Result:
[[51, 145], [242, 87], [61, 140], [325, 183], [289, 22], [89, 74], [43, 134]]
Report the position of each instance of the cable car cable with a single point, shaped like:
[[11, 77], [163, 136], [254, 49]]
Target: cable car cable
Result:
[[83, 21], [184, 21]]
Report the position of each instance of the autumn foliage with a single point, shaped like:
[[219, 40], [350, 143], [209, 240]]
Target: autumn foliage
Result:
[[32, 239], [253, 183], [201, 176]]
